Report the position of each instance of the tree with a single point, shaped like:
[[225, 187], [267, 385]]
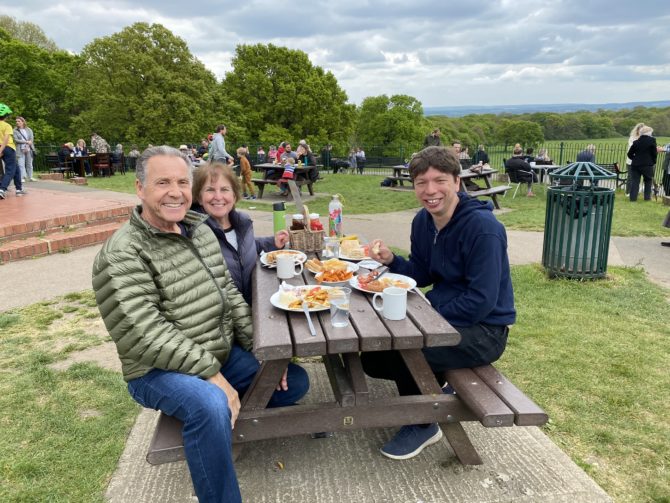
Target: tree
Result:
[[515, 131], [27, 32], [143, 84], [277, 86], [390, 123], [35, 83]]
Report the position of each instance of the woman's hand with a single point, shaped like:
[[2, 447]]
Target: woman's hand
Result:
[[380, 252], [281, 238]]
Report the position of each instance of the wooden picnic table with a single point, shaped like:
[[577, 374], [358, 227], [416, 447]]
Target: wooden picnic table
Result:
[[303, 175], [489, 190], [483, 394]]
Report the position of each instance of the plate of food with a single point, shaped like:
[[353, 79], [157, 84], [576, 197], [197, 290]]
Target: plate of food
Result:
[[331, 272], [291, 298], [269, 259], [351, 249], [369, 283]]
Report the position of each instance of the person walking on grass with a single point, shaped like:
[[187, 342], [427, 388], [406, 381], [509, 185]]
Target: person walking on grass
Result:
[[182, 329], [459, 247], [8, 155], [643, 154]]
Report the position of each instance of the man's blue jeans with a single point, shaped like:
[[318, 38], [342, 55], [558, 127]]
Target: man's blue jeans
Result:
[[203, 408], [12, 171]]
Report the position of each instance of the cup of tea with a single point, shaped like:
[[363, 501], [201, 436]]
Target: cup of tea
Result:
[[393, 303], [286, 267]]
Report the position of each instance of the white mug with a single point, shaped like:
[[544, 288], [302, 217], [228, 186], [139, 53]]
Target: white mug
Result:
[[286, 267], [394, 303]]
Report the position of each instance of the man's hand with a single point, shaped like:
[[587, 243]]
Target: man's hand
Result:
[[380, 252], [231, 393], [283, 382], [230, 161], [281, 238]]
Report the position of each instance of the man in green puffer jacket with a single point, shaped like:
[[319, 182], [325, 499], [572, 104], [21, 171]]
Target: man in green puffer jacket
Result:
[[182, 330]]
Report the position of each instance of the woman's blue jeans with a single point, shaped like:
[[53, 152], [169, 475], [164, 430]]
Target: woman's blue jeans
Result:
[[203, 408]]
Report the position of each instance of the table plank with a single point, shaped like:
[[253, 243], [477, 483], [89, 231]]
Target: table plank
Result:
[[272, 337], [436, 330], [338, 340], [373, 334]]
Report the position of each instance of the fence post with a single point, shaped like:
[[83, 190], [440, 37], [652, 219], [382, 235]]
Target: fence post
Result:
[[560, 155]]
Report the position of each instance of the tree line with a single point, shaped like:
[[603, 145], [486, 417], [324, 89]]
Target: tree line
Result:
[[142, 85]]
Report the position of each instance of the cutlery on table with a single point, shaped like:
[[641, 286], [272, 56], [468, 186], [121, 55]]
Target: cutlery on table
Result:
[[305, 309]]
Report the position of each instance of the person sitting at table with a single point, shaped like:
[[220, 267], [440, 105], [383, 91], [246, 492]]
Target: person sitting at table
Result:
[[543, 157], [80, 150], [481, 157], [459, 247], [288, 153], [288, 174], [182, 329], [272, 154], [588, 154], [519, 171], [260, 155], [216, 191], [306, 156], [529, 157], [66, 152]]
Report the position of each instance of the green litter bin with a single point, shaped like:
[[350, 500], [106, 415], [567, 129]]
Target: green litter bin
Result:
[[578, 222]]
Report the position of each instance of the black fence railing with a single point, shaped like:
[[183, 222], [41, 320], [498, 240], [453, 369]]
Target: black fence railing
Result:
[[380, 160]]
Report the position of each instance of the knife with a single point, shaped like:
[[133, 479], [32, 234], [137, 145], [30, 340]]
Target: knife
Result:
[[383, 269], [305, 309]]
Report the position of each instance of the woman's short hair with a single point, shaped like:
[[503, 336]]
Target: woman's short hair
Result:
[[210, 172], [646, 130]]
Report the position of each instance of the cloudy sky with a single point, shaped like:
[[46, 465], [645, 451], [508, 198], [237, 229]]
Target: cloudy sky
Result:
[[444, 53]]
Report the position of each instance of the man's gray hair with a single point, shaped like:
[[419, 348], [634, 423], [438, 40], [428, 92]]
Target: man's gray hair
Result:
[[142, 160]]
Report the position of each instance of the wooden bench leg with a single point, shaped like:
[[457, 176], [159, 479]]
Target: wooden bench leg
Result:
[[261, 187], [460, 443], [495, 201]]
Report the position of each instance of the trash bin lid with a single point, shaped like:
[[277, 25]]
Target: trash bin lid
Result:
[[582, 171]]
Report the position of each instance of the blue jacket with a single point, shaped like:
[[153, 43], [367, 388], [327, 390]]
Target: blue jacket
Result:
[[240, 262], [466, 262]]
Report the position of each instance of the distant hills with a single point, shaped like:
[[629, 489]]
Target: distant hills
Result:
[[460, 111]]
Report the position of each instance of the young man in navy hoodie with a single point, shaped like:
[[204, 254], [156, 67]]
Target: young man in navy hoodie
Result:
[[460, 248]]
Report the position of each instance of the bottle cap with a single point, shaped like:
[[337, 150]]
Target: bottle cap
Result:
[[298, 216], [278, 207], [313, 215]]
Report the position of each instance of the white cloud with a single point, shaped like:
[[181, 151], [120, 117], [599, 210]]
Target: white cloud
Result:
[[442, 53]]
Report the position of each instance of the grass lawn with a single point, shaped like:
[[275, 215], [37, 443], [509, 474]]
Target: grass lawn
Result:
[[362, 195], [594, 355]]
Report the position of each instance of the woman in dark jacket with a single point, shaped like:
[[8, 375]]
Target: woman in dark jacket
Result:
[[216, 190], [643, 155]]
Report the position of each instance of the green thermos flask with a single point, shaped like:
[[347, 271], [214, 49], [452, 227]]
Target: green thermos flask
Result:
[[278, 217]]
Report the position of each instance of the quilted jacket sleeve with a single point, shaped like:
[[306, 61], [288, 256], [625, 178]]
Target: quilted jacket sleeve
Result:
[[240, 312], [129, 304]]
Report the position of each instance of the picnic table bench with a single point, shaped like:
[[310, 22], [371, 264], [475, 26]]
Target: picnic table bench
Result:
[[489, 190], [483, 393]]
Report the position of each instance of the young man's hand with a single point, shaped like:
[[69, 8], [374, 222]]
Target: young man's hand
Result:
[[380, 252]]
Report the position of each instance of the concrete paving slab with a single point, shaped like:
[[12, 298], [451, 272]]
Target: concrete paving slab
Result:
[[520, 464]]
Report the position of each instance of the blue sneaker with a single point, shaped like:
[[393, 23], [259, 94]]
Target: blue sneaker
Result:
[[448, 390], [411, 440]]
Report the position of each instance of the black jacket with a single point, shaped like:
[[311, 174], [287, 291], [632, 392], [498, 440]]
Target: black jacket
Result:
[[643, 151]]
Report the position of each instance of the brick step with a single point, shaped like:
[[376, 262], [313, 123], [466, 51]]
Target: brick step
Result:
[[39, 246], [64, 223]]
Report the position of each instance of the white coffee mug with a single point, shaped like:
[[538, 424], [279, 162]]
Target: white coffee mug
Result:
[[394, 303], [286, 267]]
